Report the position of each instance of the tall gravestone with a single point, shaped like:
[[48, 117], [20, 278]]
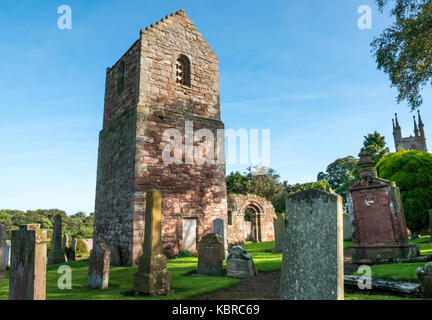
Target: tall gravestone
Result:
[[152, 277], [7, 257], [210, 255], [57, 254], [65, 241], [28, 263], [2, 252], [279, 231], [380, 234], [312, 265], [220, 228], [99, 265]]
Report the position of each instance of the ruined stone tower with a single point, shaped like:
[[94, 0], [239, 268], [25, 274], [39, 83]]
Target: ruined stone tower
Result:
[[418, 142], [168, 79]]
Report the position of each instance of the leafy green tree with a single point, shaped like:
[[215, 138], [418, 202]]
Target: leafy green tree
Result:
[[320, 185], [412, 172], [264, 182], [375, 144], [341, 174], [404, 50]]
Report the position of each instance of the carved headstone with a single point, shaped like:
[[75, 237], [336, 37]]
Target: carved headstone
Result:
[[220, 228], [425, 277], [240, 264], [380, 234], [2, 252], [210, 255], [99, 265], [7, 257], [57, 254], [152, 277], [312, 264], [279, 231], [28, 263]]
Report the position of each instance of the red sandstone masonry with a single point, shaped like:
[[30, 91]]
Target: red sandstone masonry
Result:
[[130, 150]]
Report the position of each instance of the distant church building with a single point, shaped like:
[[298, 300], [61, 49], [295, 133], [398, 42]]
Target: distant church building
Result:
[[418, 142]]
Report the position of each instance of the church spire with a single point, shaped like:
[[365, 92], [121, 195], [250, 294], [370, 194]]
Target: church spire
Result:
[[416, 130], [397, 122], [421, 125]]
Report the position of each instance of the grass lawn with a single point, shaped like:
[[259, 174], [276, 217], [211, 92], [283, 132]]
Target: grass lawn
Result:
[[185, 286]]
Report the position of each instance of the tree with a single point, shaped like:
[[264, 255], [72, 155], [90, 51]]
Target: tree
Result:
[[374, 143], [404, 50], [340, 174], [320, 185], [412, 172], [264, 182]]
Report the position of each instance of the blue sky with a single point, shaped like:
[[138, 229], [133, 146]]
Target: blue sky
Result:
[[302, 69]]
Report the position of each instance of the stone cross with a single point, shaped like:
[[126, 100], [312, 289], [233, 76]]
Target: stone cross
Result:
[[2, 252], [312, 264], [57, 254], [279, 227], [210, 255], [28, 263], [152, 277], [99, 265], [220, 228]]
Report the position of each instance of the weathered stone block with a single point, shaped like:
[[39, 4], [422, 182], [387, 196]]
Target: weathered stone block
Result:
[[28, 264], [347, 227], [312, 266], [99, 263], [210, 255]]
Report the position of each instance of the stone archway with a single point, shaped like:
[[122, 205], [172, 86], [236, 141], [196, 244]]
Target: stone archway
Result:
[[260, 227]]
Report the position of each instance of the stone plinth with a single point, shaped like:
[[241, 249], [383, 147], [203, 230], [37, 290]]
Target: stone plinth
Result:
[[99, 264], [210, 255], [28, 264], [152, 277], [312, 265], [379, 233], [57, 253]]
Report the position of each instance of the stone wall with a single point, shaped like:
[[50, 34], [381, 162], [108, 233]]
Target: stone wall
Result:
[[130, 152]]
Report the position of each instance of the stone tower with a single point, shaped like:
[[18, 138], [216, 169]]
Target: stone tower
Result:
[[168, 81], [418, 142]]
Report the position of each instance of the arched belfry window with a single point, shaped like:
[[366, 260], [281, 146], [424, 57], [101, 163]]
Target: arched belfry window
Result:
[[183, 75]]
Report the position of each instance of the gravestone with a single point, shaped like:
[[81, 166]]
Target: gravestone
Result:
[[210, 255], [380, 234], [99, 264], [240, 264], [74, 244], [152, 277], [28, 263], [312, 264], [71, 251], [57, 254], [65, 241], [2, 252], [425, 277], [279, 231], [220, 228]]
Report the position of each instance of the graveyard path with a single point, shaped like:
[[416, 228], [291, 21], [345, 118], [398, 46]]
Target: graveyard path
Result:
[[263, 287]]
